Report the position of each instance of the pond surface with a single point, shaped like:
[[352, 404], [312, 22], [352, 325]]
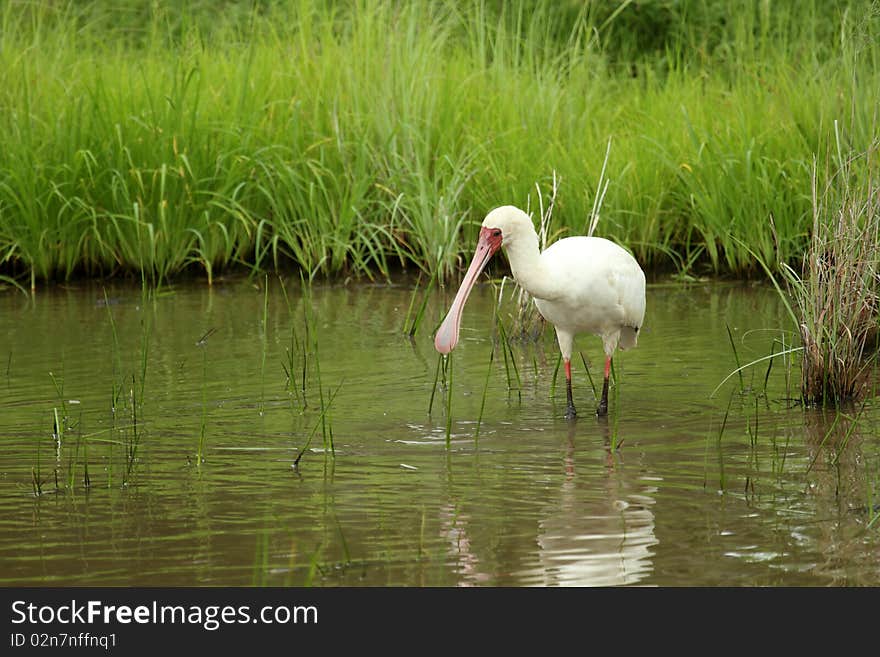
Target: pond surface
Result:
[[678, 487]]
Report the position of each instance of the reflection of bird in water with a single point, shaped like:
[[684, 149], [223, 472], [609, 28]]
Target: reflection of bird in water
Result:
[[597, 540], [593, 534], [467, 562]]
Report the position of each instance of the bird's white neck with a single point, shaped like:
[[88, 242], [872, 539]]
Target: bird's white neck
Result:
[[528, 268]]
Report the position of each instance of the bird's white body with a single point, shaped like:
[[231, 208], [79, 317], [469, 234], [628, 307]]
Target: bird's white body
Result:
[[579, 284], [602, 292]]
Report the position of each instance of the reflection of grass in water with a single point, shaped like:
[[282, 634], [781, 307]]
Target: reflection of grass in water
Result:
[[203, 424], [82, 442], [115, 357], [844, 464], [308, 344], [136, 392], [290, 364], [262, 564], [421, 547], [147, 300], [718, 447], [753, 428], [324, 404], [36, 472], [314, 564], [831, 438], [321, 422], [838, 443], [873, 499], [264, 344], [333, 566], [443, 378], [260, 569], [203, 439]]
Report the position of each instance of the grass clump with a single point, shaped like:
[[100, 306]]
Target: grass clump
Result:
[[837, 298]]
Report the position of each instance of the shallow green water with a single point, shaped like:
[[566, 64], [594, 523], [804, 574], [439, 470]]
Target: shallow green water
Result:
[[780, 496]]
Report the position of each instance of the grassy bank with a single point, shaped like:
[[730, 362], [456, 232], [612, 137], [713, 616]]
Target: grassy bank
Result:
[[352, 137]]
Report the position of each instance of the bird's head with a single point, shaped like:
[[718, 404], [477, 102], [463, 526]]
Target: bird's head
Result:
[[502, 226], [505, 225]]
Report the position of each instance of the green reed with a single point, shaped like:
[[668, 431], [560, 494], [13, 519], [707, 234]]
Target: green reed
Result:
[[78, 456], [312, 340], [718, 448], [485, 393], [60, 423], [742, 383], [423, 304], [589, 374], [135, 383], [511, 369], [8, 280], [134, 440], [162, 137], [310, 345]]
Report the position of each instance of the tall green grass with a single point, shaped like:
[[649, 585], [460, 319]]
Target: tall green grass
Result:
[[353, 138]]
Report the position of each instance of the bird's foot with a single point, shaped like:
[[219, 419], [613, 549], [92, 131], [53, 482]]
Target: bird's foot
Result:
[[602, 410], [570, 413]]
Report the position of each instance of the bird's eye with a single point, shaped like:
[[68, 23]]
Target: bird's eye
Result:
[[496, 233]]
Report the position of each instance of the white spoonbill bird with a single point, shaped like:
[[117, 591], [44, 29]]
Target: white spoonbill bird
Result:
[[580, 284]]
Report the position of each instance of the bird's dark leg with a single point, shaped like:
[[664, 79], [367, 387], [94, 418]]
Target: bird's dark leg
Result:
[[603, 403], [570, 413]]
